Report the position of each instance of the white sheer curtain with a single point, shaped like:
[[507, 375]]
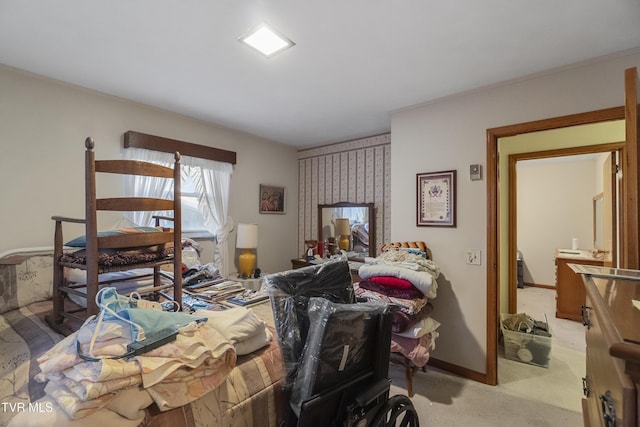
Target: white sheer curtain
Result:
[[147, 186], [213, 183]]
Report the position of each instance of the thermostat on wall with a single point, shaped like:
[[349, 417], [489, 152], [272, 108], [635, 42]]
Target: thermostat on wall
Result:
[[475, 172]]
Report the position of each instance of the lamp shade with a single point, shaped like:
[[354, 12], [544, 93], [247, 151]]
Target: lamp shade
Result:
[[247, 237], [342, 226]]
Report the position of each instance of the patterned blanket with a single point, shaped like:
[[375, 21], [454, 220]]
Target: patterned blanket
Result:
[[252, 394], [24, 336]]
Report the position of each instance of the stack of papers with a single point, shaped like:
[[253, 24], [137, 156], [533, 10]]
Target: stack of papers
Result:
[[191, 303], [204, 283], [249, 297], [218, 292]]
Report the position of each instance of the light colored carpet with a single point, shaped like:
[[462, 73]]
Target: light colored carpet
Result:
[[560, 384], [538, 302], [442, 399], [526, 395]]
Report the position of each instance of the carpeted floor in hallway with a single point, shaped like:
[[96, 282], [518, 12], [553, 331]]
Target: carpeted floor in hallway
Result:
[[526, 395]]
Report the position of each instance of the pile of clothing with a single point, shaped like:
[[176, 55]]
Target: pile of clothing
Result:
[[245, 330], [406, 278], [86, 371]]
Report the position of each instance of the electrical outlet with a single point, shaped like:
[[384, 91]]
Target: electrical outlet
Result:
[[473, 257]]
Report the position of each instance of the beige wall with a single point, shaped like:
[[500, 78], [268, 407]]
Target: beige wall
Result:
[[554, 205], [451, 134], [43, 125]]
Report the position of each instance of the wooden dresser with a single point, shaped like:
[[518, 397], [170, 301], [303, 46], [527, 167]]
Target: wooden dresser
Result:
[[570, 295], [613, 352]]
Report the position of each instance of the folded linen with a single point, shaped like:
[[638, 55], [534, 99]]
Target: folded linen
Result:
[[241, 326], [392, 282], [124, 410], [423, 280], [414, 349], [253, 343], [75, 408], [408, 306], [424, 326], [85, 389], [54, 415], [390, 291], [401, 321], [178, 372]]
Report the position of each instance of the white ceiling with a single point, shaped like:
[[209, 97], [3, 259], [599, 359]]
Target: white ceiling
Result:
[[354, 63]]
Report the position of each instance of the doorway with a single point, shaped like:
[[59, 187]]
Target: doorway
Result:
[[499, 264], [554, 214]]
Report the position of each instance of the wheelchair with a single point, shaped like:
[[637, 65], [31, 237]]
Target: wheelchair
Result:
[[335, 351]]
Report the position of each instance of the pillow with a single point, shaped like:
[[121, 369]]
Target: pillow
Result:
[[81, 242], [112, 257]]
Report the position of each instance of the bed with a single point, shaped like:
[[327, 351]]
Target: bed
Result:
[[251, 394]]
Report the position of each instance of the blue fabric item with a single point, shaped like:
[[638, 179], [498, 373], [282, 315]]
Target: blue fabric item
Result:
[[149, 320], [414, 252], [154, 320]]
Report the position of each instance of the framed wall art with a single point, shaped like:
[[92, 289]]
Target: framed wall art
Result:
[[272, 199], [436, 199]]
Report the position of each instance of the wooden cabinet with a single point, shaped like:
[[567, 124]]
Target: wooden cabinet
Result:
[[570, 295], [613, 352]]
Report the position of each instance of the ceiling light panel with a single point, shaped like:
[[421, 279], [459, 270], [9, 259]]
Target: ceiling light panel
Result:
[[266, 40]]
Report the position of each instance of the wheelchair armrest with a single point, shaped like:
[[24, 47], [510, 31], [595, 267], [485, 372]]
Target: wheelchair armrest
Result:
[[370, 394]]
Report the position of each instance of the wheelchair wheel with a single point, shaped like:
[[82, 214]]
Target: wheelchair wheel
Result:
[[397, 411]]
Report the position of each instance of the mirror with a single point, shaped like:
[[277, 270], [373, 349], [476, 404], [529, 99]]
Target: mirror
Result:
[[362, 227], [598, 224]]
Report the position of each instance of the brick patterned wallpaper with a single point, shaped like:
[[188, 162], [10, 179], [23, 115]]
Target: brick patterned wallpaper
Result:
[[357, 171]]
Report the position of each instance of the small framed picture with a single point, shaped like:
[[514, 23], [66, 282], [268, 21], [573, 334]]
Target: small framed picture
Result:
[[436, 199], [272, 199]]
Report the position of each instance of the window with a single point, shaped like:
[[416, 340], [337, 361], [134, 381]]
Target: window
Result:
[[205, 169], [192, 218], [193, 223]]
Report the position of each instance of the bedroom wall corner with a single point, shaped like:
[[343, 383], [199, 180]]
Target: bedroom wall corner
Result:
[[43, 125]]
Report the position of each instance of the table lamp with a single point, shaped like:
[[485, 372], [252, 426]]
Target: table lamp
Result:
[[247, 240], [344, 232]]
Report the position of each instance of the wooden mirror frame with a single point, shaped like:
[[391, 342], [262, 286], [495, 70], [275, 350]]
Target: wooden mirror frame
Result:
[[371, 217]]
